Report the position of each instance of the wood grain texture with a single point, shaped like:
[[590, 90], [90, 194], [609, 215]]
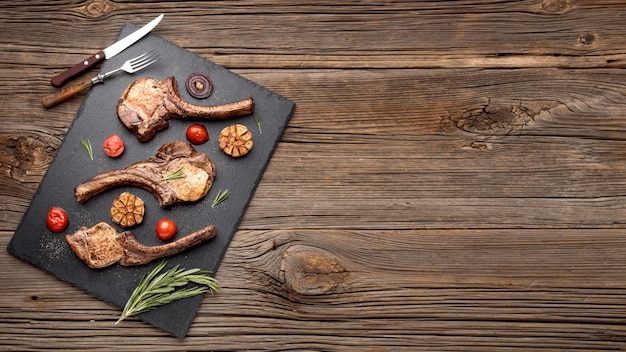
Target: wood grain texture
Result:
[[452, 178]]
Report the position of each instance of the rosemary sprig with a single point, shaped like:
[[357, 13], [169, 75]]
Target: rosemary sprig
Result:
[[174, 175], [158, 289], [221, 196], [87, 146], [257, 121]]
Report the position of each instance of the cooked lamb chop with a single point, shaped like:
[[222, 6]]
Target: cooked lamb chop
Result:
[[102, 246], [197, 171], [147, 104]]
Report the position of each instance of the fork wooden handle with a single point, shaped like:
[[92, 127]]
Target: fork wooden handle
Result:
[[53, 99]]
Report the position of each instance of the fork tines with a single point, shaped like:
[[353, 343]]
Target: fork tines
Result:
[[145, 59]]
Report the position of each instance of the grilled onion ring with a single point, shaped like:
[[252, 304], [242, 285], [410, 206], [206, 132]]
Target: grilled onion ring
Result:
[[199, 85]]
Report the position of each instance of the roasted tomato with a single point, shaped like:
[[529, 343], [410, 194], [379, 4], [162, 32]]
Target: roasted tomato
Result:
[[57, 219], [197, 134], [113, 146], [166, 229]]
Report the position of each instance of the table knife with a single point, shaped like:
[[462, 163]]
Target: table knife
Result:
[[107, 53]]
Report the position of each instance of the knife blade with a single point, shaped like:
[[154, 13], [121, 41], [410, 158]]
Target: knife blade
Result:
[[107, 53]]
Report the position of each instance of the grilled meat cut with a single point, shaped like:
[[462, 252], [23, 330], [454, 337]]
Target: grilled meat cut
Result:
[[101, 246], [147, 104], [197, 171]]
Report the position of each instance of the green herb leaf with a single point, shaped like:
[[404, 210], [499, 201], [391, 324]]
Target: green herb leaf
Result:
[[257, 121], [174, 175], [87, 146], [157, 288], [221, 196]]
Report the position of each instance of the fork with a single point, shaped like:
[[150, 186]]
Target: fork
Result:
[[130, 66]]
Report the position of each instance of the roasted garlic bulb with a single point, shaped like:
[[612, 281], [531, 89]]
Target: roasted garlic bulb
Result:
[[235, 140], [127, 210]]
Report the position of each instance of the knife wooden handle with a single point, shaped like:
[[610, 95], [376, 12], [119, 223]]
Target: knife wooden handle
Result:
[[53, 99], [73, 71]]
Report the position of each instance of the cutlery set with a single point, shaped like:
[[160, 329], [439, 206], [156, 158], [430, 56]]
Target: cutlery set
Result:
[[130, 66]]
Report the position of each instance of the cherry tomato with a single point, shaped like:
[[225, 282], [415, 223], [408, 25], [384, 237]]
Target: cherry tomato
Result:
[[166, 229], [197, 134], [57, 219], [113, 146]]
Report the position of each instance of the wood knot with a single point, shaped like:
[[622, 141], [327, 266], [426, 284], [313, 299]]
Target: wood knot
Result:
[[96, 8], [588, 40], [478, 146], [27, 157], [311, 271], [494, 120], [556, 6]]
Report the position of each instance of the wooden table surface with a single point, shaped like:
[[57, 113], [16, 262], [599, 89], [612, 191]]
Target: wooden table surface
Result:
[[453, 177]]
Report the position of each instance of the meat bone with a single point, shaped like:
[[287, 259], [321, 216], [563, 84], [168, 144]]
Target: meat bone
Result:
[[101, 246], [147, 104], [150, 174]]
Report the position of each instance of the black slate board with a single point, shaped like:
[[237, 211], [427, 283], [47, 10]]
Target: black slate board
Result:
[[96, 119]]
